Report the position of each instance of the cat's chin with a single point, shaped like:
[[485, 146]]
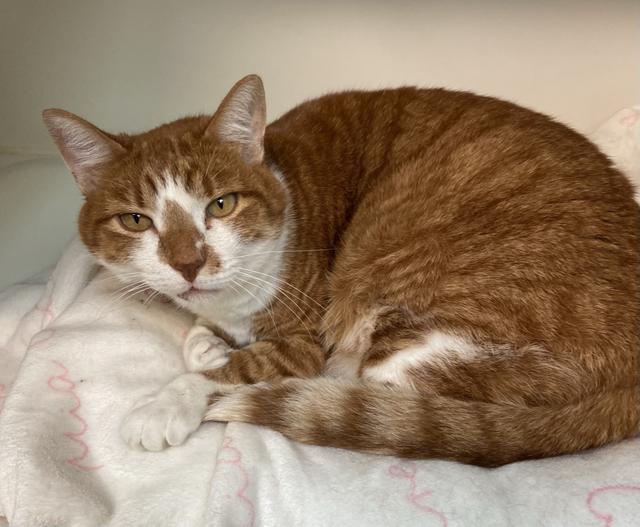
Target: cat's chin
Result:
[[195, 293]]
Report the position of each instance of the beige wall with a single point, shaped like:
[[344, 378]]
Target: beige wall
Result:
[[129, 64]]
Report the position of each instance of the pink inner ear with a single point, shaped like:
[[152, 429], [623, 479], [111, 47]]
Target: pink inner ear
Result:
[[241, 119], [84, 148]]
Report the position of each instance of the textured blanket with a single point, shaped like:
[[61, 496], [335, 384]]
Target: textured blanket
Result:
[[77, 352]]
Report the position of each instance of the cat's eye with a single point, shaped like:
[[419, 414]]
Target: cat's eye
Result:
[[135, 222], [222, 206]]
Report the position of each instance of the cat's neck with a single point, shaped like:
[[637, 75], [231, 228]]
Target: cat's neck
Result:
[[330, 150], [320, 179]]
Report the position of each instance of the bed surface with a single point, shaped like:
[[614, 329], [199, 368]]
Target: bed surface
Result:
[[74, 358]]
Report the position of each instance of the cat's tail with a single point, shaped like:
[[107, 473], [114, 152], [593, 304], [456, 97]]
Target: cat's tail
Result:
[[378, 419]]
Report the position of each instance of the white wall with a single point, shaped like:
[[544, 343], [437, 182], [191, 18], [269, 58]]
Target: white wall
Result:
[[131, 64]]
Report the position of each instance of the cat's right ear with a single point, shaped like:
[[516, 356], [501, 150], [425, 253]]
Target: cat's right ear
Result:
[[85, 149]]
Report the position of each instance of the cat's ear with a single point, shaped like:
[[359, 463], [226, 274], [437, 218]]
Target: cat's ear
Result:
[[241, 119], [84, 148]]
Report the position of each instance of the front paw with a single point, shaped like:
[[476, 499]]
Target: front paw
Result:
[[170, 416], [202, 350]]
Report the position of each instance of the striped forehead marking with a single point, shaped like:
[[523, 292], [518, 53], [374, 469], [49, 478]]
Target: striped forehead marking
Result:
[[170, 192]]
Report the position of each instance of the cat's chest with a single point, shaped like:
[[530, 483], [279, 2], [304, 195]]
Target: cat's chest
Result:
[[235, 320]]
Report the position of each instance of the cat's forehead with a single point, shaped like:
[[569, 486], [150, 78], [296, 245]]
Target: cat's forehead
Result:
[[173, 196], [179, 150], [180, 154], [157, 171]]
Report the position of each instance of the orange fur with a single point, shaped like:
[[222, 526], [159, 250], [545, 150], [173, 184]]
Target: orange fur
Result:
[[471, 266]]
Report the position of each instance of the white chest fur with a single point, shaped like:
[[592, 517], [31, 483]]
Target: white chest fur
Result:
[[232, 313]]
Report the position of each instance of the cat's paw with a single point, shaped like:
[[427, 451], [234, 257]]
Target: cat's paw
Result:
[[202, 350], [170, 416]]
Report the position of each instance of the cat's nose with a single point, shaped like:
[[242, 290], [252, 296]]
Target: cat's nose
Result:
[[189, 268]]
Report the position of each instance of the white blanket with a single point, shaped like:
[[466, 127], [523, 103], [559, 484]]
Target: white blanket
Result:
[[74, 357]]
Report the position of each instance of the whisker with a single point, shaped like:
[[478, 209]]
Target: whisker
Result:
[[129, 293], [128, 289], [273, 320], [279, 252], [118, 277], [279, 289], [279, 300], [150, 298], [286, 283], [206, 171], [127, 286]]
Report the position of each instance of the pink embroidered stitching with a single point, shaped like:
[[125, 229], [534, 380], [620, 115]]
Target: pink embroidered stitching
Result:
[[236, 460], [630, 119], [42, 337], [46, 308], [607, 518], [408, 472], [69, 387]]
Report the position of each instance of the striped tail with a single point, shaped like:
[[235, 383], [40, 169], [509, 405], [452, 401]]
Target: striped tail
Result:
[[383, 420]]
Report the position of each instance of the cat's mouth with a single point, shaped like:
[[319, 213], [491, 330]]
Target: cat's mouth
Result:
[[193, 292]]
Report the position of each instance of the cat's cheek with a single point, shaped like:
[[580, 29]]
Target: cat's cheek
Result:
[[224, 245]]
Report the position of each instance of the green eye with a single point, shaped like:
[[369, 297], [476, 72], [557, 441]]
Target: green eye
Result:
[[222, 206], [135, 222]]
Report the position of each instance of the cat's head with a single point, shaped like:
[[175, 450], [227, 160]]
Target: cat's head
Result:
[[179, 208]]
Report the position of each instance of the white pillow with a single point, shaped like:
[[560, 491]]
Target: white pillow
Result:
[[619, 138]]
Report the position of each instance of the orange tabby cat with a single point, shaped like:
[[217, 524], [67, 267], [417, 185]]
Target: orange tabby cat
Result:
[[469, 268]]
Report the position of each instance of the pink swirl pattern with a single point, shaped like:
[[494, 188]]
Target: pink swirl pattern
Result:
[[45, 306], [607, 519], [230, 455], [61, 383], [408, 471]]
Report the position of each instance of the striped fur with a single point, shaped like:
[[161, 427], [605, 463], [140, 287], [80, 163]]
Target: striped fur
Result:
[[466, 271], [379, 419]]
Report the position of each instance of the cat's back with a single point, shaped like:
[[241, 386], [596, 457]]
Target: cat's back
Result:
[[448, 150], [463, 130], [490, 208]]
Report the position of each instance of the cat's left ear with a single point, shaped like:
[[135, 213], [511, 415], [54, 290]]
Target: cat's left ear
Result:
[[242, 118]]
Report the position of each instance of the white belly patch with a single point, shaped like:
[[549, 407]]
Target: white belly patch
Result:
[[437, 346]]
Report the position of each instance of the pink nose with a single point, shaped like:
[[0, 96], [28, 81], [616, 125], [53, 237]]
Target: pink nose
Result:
[[189, 269]]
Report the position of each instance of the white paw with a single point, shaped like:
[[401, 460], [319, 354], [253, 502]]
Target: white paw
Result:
[[203, 351], [170, 416]]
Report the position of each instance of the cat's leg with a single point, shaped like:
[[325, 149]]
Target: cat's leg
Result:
[[296, 353], [375, 336], [448, 363], [433, 357], [371, 328], [272, 359], [168, 417], [203, 349]]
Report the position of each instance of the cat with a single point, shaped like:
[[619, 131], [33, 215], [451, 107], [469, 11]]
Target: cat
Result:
[[415, 272]]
